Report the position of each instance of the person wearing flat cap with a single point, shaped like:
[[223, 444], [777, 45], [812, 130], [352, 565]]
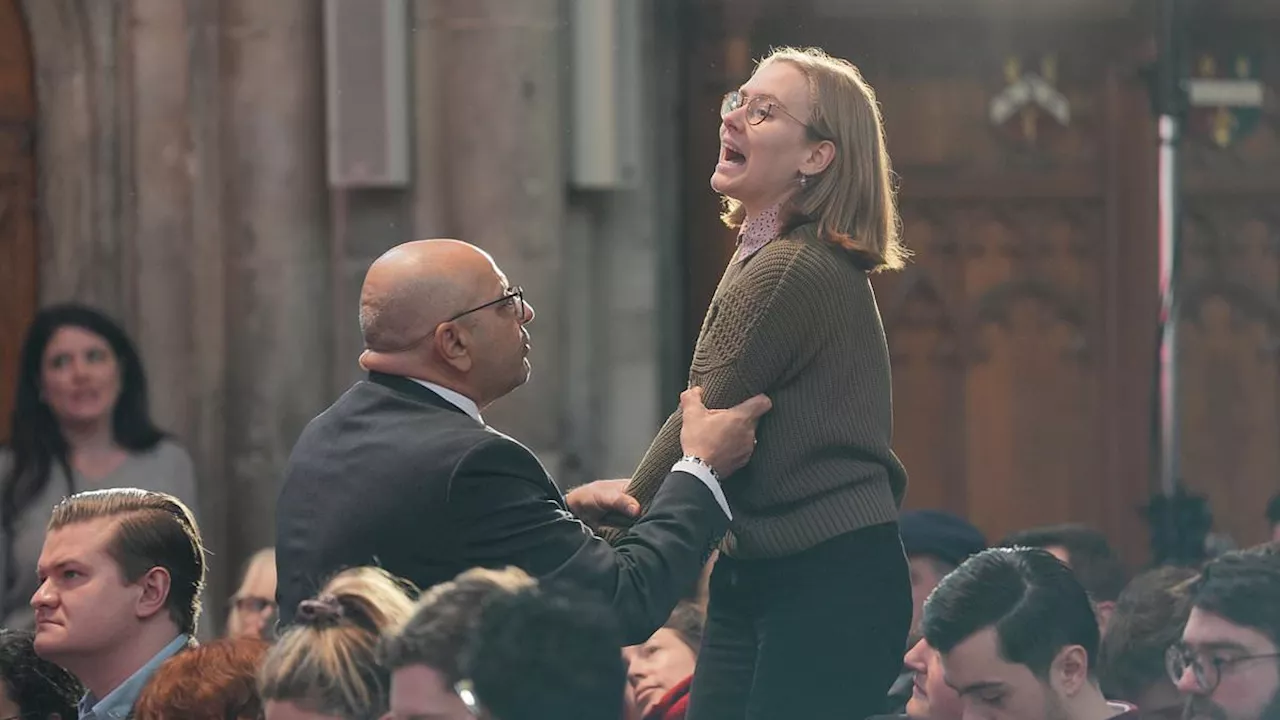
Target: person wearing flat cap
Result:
[[936, 542]]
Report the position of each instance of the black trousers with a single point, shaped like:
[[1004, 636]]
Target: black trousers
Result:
[[816, 635]]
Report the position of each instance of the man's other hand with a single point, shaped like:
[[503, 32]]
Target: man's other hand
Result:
[[593, 501]]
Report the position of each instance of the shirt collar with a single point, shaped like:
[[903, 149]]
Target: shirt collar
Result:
[[758, 230], [118, 704], [458, 400]]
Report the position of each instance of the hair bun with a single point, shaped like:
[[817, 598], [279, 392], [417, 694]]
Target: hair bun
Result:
[[323, 610]]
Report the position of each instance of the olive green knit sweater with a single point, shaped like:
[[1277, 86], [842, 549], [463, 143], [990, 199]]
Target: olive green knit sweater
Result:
[[797, 321]]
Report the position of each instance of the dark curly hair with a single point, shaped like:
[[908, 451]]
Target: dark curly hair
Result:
[[39, 688], [1243, 587], [546, 652]]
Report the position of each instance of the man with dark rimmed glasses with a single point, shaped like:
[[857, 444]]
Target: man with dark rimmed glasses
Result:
[[1228, 663]]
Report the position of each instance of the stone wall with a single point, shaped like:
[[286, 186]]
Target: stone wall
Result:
[[182, 188]]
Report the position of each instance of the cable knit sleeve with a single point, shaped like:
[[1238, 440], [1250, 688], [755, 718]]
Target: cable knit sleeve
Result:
[[759, 331]]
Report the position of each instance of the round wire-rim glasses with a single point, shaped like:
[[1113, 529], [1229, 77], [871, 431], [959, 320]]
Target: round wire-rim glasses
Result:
[[760, 108], [1178, 658]]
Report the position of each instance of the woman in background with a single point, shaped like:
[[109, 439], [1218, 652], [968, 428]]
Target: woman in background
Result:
[[253, 607], [325, 666], [80, 422]]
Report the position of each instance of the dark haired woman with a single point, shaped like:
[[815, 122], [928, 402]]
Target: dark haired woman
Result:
[[80, 422]]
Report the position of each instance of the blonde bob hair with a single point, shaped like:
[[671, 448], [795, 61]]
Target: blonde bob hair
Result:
[[327, 662], [851, 203]]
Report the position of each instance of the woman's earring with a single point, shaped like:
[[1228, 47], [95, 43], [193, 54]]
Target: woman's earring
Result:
[[804, 181]]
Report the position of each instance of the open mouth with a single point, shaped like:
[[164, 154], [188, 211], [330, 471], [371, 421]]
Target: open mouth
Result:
[[732, 155]]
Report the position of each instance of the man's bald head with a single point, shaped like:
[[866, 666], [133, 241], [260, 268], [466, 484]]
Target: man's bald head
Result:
[[416, 286]]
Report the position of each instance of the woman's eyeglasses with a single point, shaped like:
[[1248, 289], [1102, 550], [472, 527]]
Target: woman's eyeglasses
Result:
[[760, 108]]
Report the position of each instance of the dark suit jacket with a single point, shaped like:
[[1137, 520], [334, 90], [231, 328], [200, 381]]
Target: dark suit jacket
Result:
[[396, 476]]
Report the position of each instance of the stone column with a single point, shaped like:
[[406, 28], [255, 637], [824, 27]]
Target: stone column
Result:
[[502, 108], [76, 49], [208, 292], [430, 58], [158, 248], [276, 230]]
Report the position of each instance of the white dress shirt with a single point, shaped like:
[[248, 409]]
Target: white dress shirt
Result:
[[457, 399]]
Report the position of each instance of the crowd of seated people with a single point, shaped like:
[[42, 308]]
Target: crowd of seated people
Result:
[[1045, 625], [1008, 632]]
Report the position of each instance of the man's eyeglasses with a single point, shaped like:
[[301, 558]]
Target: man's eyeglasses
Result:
[[1206, 671], [515, 296]]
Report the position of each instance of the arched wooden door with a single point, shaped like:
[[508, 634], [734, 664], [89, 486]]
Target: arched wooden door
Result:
[[17, 199]]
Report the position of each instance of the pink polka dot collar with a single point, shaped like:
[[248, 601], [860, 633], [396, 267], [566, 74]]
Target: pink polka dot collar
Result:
[[757, 231]]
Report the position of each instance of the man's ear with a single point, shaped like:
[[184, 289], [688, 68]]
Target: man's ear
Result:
[[155, 584], [1069, 672], [454, 345]]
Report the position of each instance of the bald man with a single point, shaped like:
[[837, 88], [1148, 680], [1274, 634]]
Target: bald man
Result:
[[402, 471]]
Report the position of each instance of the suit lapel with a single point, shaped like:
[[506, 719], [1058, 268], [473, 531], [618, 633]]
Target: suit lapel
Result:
[[408, 387]]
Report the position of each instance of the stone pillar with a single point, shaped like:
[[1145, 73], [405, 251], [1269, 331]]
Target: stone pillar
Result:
[[166, 274], [431, 216], [276, 230], [502, 108], [208, 296], [158, 247], [76, 48]]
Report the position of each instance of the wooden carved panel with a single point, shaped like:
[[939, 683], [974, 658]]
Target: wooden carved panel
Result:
[[994, 332], [18, 255], [1002, 352], [1229, 377]]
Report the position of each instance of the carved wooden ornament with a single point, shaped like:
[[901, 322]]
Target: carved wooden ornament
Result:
[[1029, 96]]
